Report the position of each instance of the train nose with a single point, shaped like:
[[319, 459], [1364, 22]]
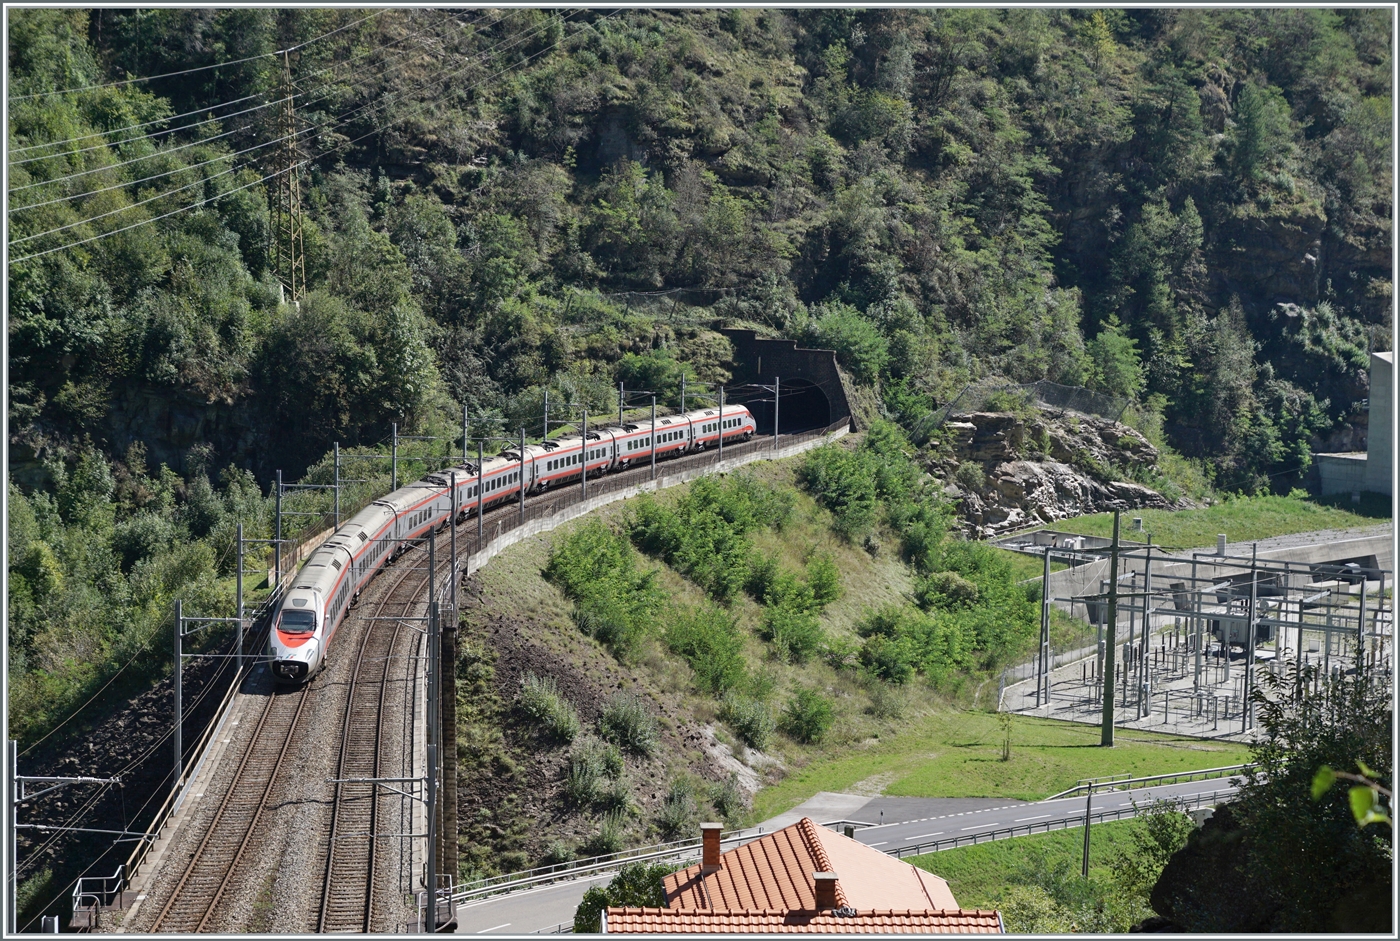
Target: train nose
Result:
[[288, 669], [295, 663]]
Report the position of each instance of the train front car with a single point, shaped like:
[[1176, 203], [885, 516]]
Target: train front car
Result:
[[296, 646]]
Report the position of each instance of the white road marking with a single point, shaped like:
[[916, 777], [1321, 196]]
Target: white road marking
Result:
[[965, 829], [878, 844], [925, 835], [484, 930], [1024, 819]]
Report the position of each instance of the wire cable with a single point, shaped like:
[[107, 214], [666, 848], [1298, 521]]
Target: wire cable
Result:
[[130, 127], [324, 153], [391, 69], [202, 68], [205, 179]]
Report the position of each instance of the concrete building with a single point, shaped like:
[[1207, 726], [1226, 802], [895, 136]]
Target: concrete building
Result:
[[1354, 471]]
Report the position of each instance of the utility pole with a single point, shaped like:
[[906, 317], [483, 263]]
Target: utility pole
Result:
[[522, 476], [545, 435], [777, 385], [289, 260], [682, 391], [721, 425], [619, 405], [1247, 701], [238, 589], [1043, 677], [452, 528], [585, 454], [1089, 802], [277, 547], [1111, 627], [653, 438], [179, 694], [465, 440], [337, 485], [480, 482], [394, 457]]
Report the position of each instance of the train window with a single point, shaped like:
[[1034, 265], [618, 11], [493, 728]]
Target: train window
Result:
[[297, 622]]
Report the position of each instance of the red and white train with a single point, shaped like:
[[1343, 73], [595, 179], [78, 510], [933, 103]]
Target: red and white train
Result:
[[328, 584]]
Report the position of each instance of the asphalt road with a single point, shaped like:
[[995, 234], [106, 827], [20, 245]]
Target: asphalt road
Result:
[[543, 908]]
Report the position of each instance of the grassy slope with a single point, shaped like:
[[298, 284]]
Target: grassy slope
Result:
[[978, 875], [1241, 520], [957, 753]]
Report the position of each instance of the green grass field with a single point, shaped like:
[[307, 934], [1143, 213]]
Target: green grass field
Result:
[[958, 754], [980, 875], [1241, 520]]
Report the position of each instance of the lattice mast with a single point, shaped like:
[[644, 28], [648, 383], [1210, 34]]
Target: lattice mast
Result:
[[288, 257]]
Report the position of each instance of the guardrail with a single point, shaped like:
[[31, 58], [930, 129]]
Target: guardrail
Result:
[[1064, 823], [1117, 781], [543, 875]]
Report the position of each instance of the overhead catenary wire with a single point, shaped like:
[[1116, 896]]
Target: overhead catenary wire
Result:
[[202, 68], [202, 110], [344, 120]]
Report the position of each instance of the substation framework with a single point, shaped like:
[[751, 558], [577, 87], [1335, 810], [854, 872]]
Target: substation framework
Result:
[[1194, 634]]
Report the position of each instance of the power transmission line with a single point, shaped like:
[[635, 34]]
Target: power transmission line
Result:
[[302, 163], [202, 68]]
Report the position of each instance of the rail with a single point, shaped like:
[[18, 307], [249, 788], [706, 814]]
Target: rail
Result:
[[1117, 781], [1064, 823], [132, 866]]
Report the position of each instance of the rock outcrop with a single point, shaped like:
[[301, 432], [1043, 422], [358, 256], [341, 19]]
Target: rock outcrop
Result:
[[1009, 471]]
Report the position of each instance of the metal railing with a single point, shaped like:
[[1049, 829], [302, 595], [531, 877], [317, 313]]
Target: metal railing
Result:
[[1116, 782], [1064, 823], [542, 875], [90, 895]]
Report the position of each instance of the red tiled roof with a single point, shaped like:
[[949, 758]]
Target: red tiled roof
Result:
[[774, 873], [774, 921]]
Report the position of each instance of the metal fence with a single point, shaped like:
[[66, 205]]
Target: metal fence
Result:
[[1051, 396], [1065, 823]]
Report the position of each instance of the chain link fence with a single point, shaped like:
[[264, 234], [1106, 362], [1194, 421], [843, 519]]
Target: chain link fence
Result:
[[987, 395]]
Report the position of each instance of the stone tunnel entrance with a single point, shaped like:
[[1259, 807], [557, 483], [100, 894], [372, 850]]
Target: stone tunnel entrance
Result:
[[802, 407]]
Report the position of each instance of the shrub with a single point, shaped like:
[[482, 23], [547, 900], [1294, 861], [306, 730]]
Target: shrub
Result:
[[636, 885], [970, 476], [616, 796], [793, 632], [610, 838], [807, 716], [540, 700], [888, 659], [676, 818], [712, 643], [583, 781], [613, 601], [628, 723], [886, 702], [824, 579], [728, 799], [751, 719], [844, 482], [945, 591], [556, 852]]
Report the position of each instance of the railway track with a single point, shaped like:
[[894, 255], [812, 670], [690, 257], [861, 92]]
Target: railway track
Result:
[[217, 859], [352, 865]]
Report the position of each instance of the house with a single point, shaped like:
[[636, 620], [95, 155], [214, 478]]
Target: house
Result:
[[802, 879]]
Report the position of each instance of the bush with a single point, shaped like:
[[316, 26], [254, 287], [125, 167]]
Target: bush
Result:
[[886, 702], [751, 719], [889, 659], [728, 799], [793, 632], [970, 476], [585, 777], [540, 700], [945, 591], [807, 716], [628, 723], [712, 643], [613, 601], [636, 885], [610, 838], [824, 579], [556, 852], [843, 482], [676, 819]]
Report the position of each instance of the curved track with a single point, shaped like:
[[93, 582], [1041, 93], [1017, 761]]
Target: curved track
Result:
[[347, 893]]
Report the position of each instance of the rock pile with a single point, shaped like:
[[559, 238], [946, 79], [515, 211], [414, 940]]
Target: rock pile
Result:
[[1008, 471]]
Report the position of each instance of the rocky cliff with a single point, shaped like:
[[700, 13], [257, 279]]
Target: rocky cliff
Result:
[[1008, 471]]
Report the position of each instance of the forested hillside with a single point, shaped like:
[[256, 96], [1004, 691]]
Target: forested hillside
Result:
[[1190, 208]]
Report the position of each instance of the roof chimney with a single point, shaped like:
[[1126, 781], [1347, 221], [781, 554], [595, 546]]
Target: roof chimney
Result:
[[826, 889], [709, 847]]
